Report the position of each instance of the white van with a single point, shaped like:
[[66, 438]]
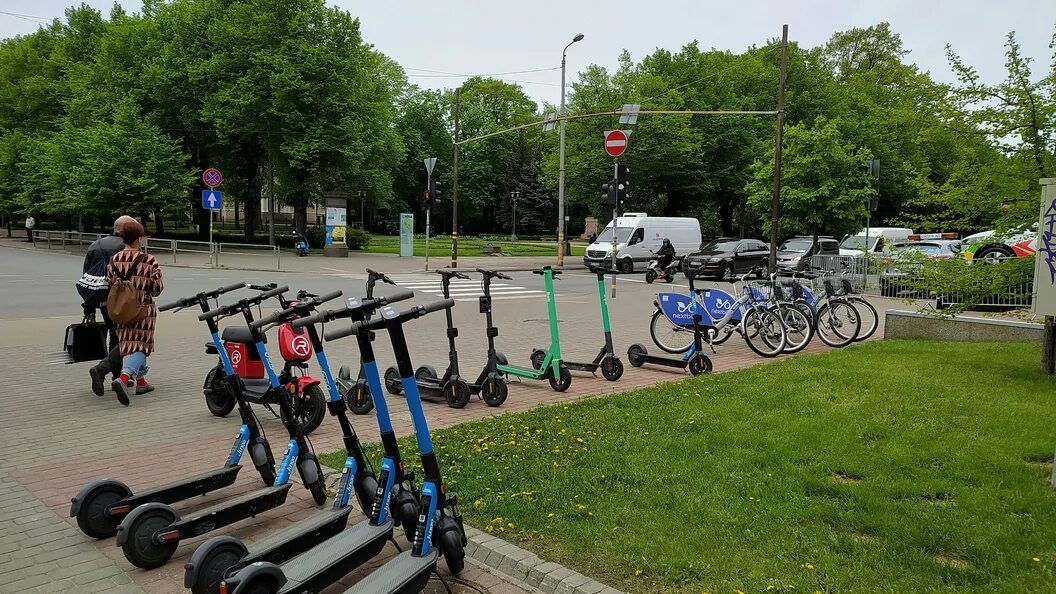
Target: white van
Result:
[[638, 236], [879, 238]]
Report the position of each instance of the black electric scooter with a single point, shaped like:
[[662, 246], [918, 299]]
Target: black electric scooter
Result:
[[694, 358], [150, 534], [439, 528], [221, 557], [491, 384], [357, 393], [332, 559], [101, 505], [607, 362], [450, 387]]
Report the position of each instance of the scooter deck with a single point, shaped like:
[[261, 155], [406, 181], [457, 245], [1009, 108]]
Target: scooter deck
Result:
[[300, 537], [403, 574], [232, 510], [335, 557], [187, 487]]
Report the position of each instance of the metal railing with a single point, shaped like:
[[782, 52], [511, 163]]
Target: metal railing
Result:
[[193, 253]]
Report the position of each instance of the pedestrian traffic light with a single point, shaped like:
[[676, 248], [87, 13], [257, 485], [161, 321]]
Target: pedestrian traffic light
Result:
[[426, 196]]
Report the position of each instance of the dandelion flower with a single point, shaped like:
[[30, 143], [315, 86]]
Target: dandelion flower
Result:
[[1037, 559]]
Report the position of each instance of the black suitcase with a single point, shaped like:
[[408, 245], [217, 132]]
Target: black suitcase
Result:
[[85, 341]]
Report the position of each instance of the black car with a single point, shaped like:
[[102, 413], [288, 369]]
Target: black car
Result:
[[795, 253], [727, 257]]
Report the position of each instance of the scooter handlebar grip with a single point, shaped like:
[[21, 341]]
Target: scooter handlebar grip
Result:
[[337, 333], [272, 293], [213, 313], [401, 295], [503, 276], [173, 305], [328, 297], [436, 306], [230, 288]]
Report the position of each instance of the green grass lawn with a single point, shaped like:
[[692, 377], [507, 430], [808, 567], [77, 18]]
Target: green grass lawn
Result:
[[441, 246], [896, 466]]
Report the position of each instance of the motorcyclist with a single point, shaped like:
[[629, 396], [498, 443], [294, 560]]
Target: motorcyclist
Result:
[[665, 255]]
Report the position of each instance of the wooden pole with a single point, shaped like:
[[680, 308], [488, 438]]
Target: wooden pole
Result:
[[454, 182], [775, 200]]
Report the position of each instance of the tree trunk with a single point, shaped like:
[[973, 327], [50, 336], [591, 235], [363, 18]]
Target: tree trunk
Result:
[[1048, 347], [236, 215], [300, 216], [726, 208], [159, 224]]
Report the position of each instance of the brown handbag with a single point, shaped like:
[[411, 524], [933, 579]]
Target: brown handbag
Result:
[[125, 304]]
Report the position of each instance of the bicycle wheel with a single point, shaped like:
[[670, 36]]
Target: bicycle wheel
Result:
[[669, 337], [764, 332], [838, 323], [799, 328], [867, 313]]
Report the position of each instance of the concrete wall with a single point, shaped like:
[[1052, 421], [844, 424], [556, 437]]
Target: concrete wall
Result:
[[910, 324]]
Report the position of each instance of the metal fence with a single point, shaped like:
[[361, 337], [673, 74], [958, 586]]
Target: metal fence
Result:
[[1002, 285], [176, 251]]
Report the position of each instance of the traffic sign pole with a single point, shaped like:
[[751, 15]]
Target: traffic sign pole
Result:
[[428, 207]]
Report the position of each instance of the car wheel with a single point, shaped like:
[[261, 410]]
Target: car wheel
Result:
[[994, 253], [626, 266], [726, 271]]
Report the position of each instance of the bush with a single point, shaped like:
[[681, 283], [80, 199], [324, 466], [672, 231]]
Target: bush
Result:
[[357, 239], [962, 285]]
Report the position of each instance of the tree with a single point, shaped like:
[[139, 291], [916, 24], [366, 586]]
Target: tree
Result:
[[824, 182]]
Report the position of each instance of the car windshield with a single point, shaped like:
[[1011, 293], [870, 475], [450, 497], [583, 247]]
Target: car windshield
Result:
[[622, 234], [718, 246], [928, 249], [856, 242], [795, 245]]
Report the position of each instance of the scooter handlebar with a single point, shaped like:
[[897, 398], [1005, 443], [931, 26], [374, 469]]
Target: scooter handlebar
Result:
[[310, 303], [189, 301], [434, 306], [494, 273], [380, 276], [378, 323]]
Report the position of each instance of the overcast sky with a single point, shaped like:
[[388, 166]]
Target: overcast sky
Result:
[[483, 37]]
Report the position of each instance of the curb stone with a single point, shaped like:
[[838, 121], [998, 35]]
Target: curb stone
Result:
[[526, 568]]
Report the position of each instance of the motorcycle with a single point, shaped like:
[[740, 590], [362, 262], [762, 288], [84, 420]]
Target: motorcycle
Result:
[[667, 273], [300, 244]]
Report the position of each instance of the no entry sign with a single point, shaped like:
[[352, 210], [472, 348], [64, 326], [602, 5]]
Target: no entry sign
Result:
[[615, 142]]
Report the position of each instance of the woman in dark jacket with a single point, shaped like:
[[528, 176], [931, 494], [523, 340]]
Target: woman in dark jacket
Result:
[[136, 340]]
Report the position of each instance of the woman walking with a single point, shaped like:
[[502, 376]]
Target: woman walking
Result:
[[136, 340]]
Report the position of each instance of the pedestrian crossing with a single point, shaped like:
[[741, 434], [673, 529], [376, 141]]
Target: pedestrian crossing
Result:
[[461, 290]]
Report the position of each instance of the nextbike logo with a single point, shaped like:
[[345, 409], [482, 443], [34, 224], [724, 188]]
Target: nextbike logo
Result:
[[685, 307], [723, 304]]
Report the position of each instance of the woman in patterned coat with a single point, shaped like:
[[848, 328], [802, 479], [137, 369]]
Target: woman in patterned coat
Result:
[[136, 340]]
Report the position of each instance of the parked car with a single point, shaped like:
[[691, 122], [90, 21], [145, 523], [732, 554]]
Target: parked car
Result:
[[795, 253], [638, 237], [879, 237], [726, 257], [1018, 243], [902, 263]]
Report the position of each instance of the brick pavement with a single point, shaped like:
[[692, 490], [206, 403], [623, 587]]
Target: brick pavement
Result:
[[57, 436]]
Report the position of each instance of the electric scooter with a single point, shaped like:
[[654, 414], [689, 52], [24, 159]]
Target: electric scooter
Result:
[[300, 244], [221, 557], [450, 387], [607, 362], [357, 393], [150, 534], [439, 528], [101, 505], [394, 499], [694, 358], [490, 385], [551, 367], [308, 400]]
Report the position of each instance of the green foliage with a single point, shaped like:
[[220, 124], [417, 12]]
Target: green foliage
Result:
[[963, 285], [357, 239], [824, 185]]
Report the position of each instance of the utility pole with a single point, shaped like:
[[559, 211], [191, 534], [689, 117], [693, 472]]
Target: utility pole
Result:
[[454, 183], [513, 198], [271, 201], [775, 200]]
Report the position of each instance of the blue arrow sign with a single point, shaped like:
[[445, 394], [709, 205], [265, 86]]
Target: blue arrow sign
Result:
[[212, 199]]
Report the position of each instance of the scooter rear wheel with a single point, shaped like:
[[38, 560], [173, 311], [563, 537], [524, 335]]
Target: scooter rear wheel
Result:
[[563, 381], [393, 383], [427, 372], [212, 568], [140, 549], [457, 393], [217, 400], [494, 391], [634, 354], [91, 518]]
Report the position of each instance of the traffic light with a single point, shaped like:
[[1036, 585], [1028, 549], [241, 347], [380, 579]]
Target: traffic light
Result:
[[621, 182], [433, 194], [609, 192]]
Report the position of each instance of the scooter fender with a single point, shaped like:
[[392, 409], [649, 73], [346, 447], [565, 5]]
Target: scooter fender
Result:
[[308, 467], [193, 567], [259, 452], [306, 381], [122, 529], [78, 499], [252, 572]]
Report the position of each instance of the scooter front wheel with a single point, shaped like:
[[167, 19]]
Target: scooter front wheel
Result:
[[457, 393], [563, 381], [359, 399], [494, 391], [393, 383], [139, 547], [611, 368], [700, 364], [538, 356]]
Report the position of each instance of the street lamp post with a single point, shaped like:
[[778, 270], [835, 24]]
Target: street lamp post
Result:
[[513, 198], [362, 211], [561, 163]]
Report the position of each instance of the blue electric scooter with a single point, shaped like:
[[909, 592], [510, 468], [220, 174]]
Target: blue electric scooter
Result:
[[150, 534], [222, 556], [439, 530], [395, 498], [685, 311]]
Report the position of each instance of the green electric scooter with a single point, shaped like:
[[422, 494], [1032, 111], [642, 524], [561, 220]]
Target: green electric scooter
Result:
[[606, 362], [551, 367]]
